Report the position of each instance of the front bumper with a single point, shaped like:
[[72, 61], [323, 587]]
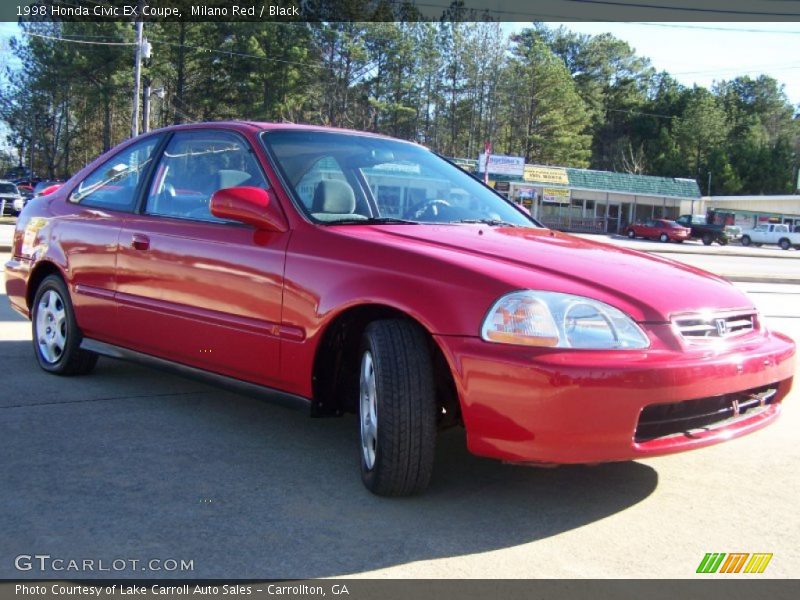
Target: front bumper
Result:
[[556, 406]]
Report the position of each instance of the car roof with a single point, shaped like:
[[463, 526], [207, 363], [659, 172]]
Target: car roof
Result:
[[268, 126]]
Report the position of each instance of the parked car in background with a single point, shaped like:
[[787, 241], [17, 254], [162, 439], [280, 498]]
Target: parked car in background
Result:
[[703, 230], [269, 258], [10, 199], [727, 220], [771, 233], [662, 230], [45, 185]]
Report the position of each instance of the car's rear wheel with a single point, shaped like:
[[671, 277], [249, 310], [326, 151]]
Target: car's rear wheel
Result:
[[397, 408], [785, 244], [631, 234], [707, 239], [746, 241], [664, 238], [56, 337]]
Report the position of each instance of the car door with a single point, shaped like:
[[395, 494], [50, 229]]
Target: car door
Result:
[[195, 289], [89, 238]]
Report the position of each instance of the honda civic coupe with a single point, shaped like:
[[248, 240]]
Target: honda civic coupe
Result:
[[339, 271]]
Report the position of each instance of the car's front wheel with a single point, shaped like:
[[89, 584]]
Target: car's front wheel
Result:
[[707, 239], [397, 408], [785, 244], [664, 238], [631, 234], [746, 240], [56, 337]]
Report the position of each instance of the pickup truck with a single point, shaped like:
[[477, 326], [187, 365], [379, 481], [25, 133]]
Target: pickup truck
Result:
[[771, 233], [703, 230]]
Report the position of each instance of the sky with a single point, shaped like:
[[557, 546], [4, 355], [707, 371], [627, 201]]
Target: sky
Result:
[[701, 53]]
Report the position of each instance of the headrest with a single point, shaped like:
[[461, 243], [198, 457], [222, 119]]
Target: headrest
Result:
[[228, 178], [333, 196]]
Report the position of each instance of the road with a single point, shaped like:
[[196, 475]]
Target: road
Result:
[[133, 463]]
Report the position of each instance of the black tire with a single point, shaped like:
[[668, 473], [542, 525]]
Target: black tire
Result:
[[707, 239], [746, 241], [632, 234], [785, 244], [663, 238], [404, 406], [65, 357]]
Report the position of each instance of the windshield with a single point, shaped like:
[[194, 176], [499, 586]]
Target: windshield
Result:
[[343, 178], [8, 188]]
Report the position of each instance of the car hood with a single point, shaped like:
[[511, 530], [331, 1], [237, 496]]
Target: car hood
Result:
[[647, 287]]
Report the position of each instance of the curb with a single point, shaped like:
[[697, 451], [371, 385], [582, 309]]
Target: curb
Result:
[[744, 254], [761, 279]]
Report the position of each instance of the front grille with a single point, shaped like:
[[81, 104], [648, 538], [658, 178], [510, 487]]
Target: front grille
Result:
[[709, 327], [659, 420]]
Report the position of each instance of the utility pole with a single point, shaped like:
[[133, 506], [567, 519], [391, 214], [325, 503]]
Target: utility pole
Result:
[[137, 73], [146, 106], [709, 184]]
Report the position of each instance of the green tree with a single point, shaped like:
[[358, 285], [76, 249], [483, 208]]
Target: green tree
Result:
[[546, 121]]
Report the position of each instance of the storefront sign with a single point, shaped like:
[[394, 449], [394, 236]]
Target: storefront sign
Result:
[[555, 195], [546, 174], [526, 192], [502, 165]]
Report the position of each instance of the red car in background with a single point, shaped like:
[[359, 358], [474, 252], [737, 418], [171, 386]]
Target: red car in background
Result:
[[339, 272], [662, 230]]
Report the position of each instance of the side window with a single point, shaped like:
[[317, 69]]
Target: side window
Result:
[[113, 185], [196, 164]]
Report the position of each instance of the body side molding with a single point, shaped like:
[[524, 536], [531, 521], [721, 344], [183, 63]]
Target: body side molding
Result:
[[245, 388]]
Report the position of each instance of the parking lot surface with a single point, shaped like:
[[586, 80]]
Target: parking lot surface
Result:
[[131, 463]]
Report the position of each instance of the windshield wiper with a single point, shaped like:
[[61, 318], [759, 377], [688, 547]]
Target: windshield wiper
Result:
[[490, 222], [373, 221]]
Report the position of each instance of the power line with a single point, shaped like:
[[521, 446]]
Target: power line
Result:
[[711, 28], [695, 9], [673, 8], [78, 40]]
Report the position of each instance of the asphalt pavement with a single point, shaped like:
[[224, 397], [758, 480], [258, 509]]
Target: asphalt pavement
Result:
[[131, 463]]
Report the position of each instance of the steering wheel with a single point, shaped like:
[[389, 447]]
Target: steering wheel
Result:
[[430, 208]]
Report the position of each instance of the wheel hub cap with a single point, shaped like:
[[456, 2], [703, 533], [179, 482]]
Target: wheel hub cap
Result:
[[51, 326], [368, 410]]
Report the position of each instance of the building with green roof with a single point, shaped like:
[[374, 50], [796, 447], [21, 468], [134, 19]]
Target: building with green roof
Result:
[[597, 201]]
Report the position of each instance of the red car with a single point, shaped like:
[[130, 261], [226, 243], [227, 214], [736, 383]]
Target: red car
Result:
[[662, 230], [339, 271]]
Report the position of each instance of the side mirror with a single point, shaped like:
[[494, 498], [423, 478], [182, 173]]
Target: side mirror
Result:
[[255, 206]]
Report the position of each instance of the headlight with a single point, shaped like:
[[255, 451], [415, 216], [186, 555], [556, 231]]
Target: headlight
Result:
[[531, 318]]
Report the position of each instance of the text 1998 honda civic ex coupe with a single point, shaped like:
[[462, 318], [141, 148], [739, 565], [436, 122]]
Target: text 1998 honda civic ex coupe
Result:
[[349, 272]]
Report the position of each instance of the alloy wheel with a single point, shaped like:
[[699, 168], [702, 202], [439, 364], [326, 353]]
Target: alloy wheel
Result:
[[369, 410], [51, 326]]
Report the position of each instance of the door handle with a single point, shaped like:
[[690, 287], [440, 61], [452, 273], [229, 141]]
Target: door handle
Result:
[[140, 242]]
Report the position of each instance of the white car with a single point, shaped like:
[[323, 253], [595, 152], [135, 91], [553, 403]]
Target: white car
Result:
[[772, 233], [9, 198]]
